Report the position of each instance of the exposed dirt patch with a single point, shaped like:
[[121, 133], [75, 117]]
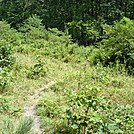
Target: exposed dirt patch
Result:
[[31, 105]]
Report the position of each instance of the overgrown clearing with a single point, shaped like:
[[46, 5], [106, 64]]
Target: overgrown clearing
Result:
[[93, 86]]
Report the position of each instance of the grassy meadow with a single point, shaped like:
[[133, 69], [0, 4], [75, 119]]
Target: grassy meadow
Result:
[[84, 98]]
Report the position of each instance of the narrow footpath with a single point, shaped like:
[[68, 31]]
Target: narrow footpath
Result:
[[30, 108]]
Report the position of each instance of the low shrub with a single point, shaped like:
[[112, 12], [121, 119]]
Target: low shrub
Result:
[[118, 45], [86, 33], [91, 113], [4, 27], [37, 70], [5, 78], [6, 61], [6, 55], [51, 105], [10, 35]]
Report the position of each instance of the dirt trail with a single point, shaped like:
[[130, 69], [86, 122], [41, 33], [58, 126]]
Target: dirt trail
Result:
[[31, 105]]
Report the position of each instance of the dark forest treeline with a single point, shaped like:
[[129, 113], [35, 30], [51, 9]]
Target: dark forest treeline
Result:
[[78, 13], [55, 13]]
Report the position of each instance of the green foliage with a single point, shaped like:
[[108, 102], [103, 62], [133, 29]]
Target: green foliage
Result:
[[4, 104], [90, 113], [6, 55], [83, 109], [6, 61], [5, 78], [88, 107], [23, 127], [85, 32], [53, 43], [101, 74], [50, 106], [4, 27], [118, 119], [37, 70], [32, 22], [57, 13], [118, 45], [9, 35]]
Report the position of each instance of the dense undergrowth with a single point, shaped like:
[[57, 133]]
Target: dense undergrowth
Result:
[[93, 90], [90, 102]]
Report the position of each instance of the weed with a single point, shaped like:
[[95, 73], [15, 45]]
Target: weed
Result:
[[37, 70], [23, 127], [50, 106], [90, 113], [6, 55], [5, 78], [4, 104]]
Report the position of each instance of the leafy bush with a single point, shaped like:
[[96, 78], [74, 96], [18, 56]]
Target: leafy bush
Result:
[[4, 27], [33, 37], [118, 119], [6, 61], [53, 43], [50, 105], [6, 107], [5, 78], [6, 55], [85, 32], [33, 21], [37, 70], [82, 109], [118, 45], [90, 113], [10, 35]]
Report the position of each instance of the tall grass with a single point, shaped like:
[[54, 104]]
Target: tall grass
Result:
[[22, 127]]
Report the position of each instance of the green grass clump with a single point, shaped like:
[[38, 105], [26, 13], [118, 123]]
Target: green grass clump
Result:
[[22, 127]]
